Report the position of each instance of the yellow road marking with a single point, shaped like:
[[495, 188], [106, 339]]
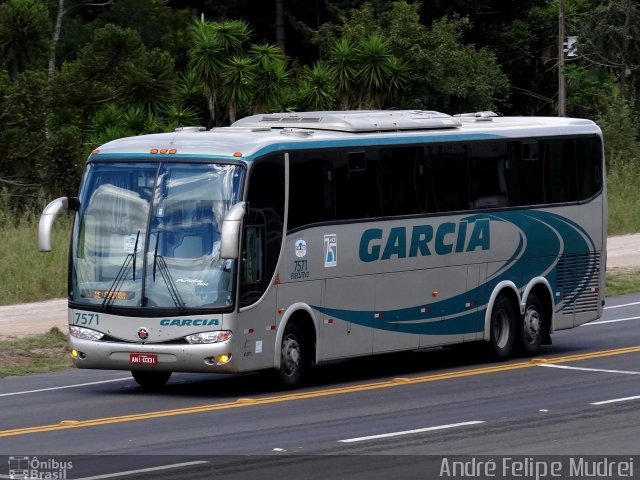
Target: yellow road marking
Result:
[[249, 402]]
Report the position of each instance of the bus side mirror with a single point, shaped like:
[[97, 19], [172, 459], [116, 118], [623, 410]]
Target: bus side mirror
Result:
[[48, 216], [230, 234]]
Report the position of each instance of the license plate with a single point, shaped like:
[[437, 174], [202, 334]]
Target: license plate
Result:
[[143, 359]]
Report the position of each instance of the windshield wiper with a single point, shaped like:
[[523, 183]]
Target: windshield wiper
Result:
[[158, 260], [121, 276], [135, 251]]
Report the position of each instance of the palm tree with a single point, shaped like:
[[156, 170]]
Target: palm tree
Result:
[[374, 61], [342, 59], [238, 79], [317, 90], [206, 59], [232, 36], [189, 90], [214, 43], [272, 76], [397, 80]]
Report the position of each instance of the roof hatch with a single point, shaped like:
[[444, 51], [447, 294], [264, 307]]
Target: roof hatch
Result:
[[354, 120]]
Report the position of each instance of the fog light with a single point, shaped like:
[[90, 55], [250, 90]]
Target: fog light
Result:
[[76, 355], [223, 359]]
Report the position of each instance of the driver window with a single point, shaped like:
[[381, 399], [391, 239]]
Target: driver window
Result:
[[264, 223]]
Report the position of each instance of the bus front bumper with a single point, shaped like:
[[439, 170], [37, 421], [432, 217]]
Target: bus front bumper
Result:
[[201, 358]]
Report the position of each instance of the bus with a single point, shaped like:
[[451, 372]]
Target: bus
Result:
[[291, 239]]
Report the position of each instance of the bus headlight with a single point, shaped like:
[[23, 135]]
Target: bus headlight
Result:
[[84, 333], [209, 337]]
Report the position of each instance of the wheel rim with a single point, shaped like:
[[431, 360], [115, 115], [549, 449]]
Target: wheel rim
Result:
[[532, 325], [501, 329], [290, 355]]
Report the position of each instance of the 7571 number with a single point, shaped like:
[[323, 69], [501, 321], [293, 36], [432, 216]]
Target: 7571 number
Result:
[[87, 319]]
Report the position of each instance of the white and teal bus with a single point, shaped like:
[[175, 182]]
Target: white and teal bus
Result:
[[289, 240]]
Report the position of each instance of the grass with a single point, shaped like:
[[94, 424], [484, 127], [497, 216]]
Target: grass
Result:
[[28, 275], [622, 283], [45, 352], [623, 199]]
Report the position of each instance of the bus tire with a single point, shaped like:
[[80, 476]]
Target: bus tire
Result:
[[502, 329], [531, 327], [148, 379], [294, 357]]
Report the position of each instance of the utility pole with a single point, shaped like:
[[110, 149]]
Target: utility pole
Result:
[[561, 83]]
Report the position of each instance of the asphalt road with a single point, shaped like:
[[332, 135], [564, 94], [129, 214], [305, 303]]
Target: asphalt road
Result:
[[396, 415]]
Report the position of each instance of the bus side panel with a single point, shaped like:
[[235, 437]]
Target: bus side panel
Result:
[[254, 333], [475, 292], [394, 292], [452, 309], [304, 294], [341, 337]]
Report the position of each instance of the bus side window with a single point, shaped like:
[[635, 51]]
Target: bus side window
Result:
[[253, 260], [560, 171], [490, 174], [311, 197], [357, 186], [448, 177], [527, 171], [589, 167], [402, 181]]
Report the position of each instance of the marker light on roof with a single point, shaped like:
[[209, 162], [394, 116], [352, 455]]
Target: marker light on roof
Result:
[[153, 151], [173, 150], [163, 150], [96, 151], [237, 154]]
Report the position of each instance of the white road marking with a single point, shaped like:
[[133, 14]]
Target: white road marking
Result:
[[565, 367], [616, 320], [409, 432], [64, 387], [144, 470], [623, 305], [616, 400]]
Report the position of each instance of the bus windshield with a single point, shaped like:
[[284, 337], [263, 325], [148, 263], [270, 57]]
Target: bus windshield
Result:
[[148, 235]]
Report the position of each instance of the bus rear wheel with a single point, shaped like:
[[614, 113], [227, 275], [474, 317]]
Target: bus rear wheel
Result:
[[502, 329], [149, 379], [531, 327], [294, 357]]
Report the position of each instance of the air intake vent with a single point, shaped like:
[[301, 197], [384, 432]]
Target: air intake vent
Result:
[[577, 281]]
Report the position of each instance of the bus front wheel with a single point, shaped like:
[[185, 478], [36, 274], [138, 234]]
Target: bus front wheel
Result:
[[294, 360], [149, 379], [502, 328]]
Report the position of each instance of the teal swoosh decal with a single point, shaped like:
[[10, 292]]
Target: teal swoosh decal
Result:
[[543, 238]]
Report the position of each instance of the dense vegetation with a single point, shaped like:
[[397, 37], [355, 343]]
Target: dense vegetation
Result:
[[77, 73]]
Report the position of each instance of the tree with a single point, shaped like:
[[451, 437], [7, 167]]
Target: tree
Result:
[[151, 81], [375, 68], [317, 90], [433, 68], [24, 35], [22, 142], [271, 76], [238, 78], [606, 41], [214, 43], [342, 60]]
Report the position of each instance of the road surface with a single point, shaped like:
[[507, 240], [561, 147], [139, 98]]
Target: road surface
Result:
[[395, 416]]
